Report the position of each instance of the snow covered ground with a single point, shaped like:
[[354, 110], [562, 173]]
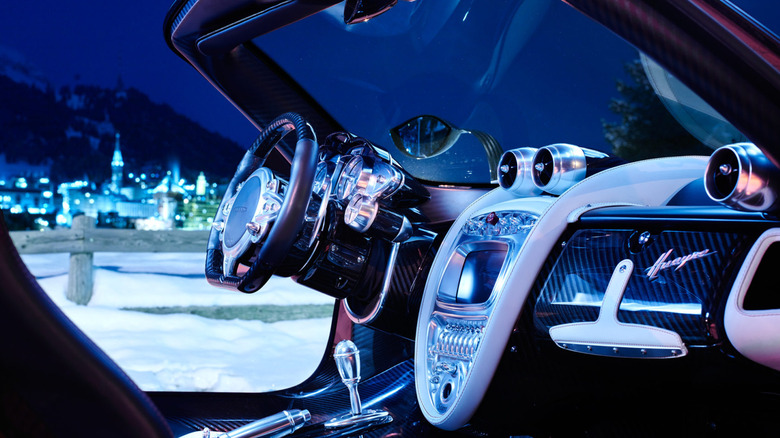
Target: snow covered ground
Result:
[[182, 352]]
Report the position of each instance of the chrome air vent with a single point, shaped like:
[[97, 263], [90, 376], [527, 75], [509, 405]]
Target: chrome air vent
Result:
[[741, 177], [514, 172], [557, 167]]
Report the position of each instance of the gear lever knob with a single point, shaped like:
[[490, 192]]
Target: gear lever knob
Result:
[[347, 357]]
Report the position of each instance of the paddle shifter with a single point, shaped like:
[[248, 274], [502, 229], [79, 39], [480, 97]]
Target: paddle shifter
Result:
[[347, 357]]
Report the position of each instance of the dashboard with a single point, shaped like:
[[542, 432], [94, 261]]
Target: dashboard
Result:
[[622, 264], [625, 261], [608, 259], [450, 403], [581, 295], [653, 260]]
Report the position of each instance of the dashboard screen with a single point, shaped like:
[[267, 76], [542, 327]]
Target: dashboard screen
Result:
[[479, 275]]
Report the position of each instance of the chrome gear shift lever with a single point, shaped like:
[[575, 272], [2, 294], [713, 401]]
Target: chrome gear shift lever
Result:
[[347, 357]]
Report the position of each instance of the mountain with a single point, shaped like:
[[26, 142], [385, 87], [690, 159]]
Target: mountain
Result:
[[73, 130], [14, 66]]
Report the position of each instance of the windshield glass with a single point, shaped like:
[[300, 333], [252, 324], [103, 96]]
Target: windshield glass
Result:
[[766, 13], [527, 74]]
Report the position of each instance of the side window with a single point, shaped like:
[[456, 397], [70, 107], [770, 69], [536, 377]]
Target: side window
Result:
[[124, 258]]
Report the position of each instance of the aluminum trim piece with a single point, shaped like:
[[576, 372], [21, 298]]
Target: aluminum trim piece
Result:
[[607, 336], [380, 303]]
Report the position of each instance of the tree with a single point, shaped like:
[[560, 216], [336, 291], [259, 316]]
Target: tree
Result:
[[646, 129]]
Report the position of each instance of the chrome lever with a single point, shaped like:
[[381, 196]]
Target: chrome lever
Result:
[[607, 336], [347, 357], [276, 425]]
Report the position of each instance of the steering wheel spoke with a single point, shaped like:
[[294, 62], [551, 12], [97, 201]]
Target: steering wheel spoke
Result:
[[272, 202], [229, 264]]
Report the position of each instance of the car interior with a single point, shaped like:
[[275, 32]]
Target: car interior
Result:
[[495, 273]]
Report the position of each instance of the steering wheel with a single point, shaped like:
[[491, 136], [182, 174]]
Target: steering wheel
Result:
[[258, 216]]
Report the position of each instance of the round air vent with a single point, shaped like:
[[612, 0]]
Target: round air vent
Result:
[[724, 176], [543, 168], [557, 167], [514, 172], [507, 170], [741, 177]]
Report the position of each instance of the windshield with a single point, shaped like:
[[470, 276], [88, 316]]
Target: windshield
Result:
[[527, 73]]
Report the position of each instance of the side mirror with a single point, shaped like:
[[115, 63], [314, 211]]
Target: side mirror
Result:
[[358, 11], [428, 136], [424, 136]]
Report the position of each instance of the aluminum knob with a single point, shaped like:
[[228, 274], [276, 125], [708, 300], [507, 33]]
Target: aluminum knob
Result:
[[347, 357]]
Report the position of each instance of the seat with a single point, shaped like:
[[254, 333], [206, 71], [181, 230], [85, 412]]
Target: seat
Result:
[[54, 381]]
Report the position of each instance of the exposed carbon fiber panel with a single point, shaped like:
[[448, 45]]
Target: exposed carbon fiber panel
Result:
[[215, 425], [678, 282]]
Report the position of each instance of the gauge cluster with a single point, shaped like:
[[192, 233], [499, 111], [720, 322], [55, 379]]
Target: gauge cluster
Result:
[[363, 230], [368, 185]]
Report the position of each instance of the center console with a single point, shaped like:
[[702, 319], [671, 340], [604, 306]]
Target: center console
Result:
[[473, 277], [472, 268]]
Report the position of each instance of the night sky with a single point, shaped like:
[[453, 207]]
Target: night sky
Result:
[[92, 43]]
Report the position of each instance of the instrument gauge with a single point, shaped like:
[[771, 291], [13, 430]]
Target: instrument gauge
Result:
[[349, 177], [360, 213], [321, 179]]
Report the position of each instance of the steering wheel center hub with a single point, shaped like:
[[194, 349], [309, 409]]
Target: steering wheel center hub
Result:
[[249, 215], [242, 211], [260, 219]]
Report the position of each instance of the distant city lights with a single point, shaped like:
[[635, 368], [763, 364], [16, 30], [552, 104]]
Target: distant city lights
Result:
[[52, 203]]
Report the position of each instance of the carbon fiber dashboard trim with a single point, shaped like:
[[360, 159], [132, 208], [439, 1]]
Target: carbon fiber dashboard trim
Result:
[[680, 297]]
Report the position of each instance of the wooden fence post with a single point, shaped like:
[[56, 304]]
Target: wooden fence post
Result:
[[82, 240], [80, 280]]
